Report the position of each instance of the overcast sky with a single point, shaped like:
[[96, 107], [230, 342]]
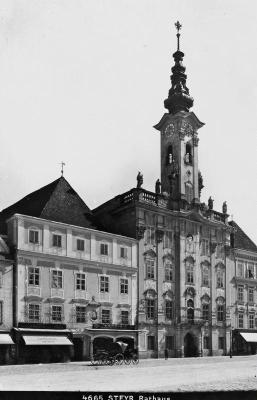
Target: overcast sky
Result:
[[84, 81]]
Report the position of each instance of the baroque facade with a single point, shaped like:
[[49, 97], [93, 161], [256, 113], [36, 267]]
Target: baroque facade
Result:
[[186, 282]]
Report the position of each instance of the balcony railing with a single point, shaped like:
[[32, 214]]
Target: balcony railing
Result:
[[113, 326], [143, 196]]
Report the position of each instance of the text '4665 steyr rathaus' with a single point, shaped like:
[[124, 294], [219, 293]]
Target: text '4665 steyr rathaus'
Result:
[[160, 272]]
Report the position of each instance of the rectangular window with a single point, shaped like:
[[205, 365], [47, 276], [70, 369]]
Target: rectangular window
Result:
[[220, 279], [250, 270], [80, 314], [150, 267], [168, 239], [104, 284], [33, 276], [205, 248], [251, 295], [57, 314], [205, 277], [106, 316], [150, 305], [124, 286], [169, 342], [33, 236], [80, 281], [57, 240], [205, 312], [240, 269], [57, 279], [251, 321], [104, 249], [150, 235], [123, 252], [150, 342], [34, 312], [169, 309], [189, 273], [220, 313], [80, 244], [221, 343], [168, 272], [240, 293], [206, 342], [124, 317], [240, 320]]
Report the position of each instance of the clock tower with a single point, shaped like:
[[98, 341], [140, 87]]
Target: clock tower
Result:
[[179, 140]]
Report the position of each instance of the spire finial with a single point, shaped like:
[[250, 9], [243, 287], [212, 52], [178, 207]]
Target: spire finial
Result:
[[178, 27], [62, 164]]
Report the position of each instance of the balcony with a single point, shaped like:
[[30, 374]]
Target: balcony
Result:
[[143, 196], [113, 326]]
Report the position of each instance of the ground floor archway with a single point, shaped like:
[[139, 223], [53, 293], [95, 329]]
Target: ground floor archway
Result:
[[101, 343], [190, 345]]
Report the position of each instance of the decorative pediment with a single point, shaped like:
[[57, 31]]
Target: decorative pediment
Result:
[[168, 295], [220, 265], [150, 293], [168, 257], [189, 259], [150, 253], [205, 298], [190, 291], [205, 263], [220, 300]]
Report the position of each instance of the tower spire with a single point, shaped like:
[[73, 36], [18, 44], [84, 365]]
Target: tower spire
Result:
[[178, 97]]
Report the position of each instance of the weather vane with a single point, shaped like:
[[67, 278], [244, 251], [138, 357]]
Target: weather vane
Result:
[[62, 164], [178, 26]]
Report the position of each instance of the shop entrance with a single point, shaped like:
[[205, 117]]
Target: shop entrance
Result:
[[190, 348]]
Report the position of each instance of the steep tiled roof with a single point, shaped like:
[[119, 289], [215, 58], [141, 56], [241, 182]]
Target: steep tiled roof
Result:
[[56, 201], [241, 240]]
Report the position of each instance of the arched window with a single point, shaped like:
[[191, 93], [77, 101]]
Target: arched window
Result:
[[189, 192], [190, 310], [150, 304], [220, 312], [169, 159], [205, 276], [220, 278], [189, 272], [188, 156]]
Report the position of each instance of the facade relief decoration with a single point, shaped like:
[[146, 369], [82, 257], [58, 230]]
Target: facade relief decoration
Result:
[[149, 253], [190, 292], [149, 284], [220, 300], [140, 231], [205, 298], [189, 259], [169, 130], [166, 286], [190, 247]]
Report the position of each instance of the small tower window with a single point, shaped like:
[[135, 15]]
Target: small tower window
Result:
[[188, 156], [189, 192], [169, 159]]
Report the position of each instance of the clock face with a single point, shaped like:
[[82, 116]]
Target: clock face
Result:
[[169, 130]]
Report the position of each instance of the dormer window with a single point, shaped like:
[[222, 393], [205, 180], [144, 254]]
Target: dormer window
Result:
[[33, 236], [170, 158]]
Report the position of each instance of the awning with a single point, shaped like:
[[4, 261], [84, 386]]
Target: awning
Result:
[[249, 336], [5, 339], [36, 340]]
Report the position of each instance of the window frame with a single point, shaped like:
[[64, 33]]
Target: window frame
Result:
[[151, 342], [1, 312], [251, 321], [109, 320], [189, 273], [34, 305], [34, 231], [35, 276], [126, 319], [220, 278], [57, 272], [205, 273], [150, 268], [79, 281], [79, 242], [251, 297], [240, 320], [124, 286], [124, 250], [104, 249], [104, 282], [55, 313], [55, 238], [240, 293], [169, 310], [150, 305], [205, 311], [80, 314], [168, 271], [220, 313]]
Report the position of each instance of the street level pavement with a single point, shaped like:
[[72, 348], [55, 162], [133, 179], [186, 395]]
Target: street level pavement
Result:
[[176, 375]]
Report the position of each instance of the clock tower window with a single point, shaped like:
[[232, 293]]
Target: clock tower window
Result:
[[169, 155], [188, 156]]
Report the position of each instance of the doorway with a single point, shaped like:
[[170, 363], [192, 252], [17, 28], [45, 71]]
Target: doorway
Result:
[[190, 348]]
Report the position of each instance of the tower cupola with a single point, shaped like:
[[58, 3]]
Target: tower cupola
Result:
[[179, 98]]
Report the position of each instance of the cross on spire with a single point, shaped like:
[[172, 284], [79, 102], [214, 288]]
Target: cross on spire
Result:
[[62, 164], [178, 27]]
